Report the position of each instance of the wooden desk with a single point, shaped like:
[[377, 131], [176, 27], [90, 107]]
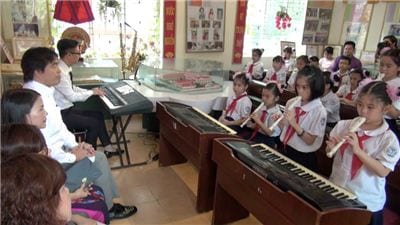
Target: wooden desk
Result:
[[239, 190], [179, 142]]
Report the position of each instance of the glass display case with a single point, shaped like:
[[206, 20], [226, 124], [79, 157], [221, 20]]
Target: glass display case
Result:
[[102, 70], [189, 76]]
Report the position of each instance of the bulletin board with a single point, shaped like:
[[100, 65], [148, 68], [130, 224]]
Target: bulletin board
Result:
[[317, 22], [205, 25], [391, 25]]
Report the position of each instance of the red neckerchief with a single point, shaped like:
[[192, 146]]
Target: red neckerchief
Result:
[[349, 96], [290, 131], [355, 161], [250, 70], [233, 104], [257, 128], [273, 76]]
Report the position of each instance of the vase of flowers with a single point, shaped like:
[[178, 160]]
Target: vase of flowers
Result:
[[282, 19]]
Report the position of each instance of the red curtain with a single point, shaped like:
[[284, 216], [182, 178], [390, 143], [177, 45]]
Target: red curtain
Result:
[[73, 11]]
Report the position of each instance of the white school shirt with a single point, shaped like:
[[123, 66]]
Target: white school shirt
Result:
[[56, 134], [344, 90], [313, 122], [345, 78], [326, 64], [369, 187], [289, 64], [292, 78], [280, 75], [258, 69], [269, 121], [65, 93], [242, 109], [331, 103]]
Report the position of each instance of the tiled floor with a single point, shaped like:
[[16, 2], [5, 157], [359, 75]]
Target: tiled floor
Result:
[[163, 195]]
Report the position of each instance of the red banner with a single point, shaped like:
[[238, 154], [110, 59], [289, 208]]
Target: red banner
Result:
[[169, 28], [240, 26]]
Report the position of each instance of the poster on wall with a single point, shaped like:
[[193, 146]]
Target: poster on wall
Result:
[[392, 20], [317, 23], [355, 24], [24, 20], [205, 25]]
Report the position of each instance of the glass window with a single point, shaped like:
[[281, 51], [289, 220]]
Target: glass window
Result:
[[261, 30]]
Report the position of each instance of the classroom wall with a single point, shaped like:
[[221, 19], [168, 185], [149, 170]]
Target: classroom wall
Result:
[[373, 36]]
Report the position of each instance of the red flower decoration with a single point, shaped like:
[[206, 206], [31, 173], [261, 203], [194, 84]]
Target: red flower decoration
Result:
[[282, 19]]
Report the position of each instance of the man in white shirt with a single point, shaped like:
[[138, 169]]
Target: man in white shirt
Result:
[[66, 94], [41, 73]]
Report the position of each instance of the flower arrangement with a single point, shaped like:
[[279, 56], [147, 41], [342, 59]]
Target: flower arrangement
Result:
[[282, 19]]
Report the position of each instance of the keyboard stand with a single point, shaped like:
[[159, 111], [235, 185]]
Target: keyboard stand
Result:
[[118, 130]]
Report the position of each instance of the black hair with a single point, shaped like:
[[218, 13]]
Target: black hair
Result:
[[16, 104], [315, 80], [304, 58], [345, 58], [327, 78], [278, 59], [350, 43], [36, 59], [242, 78], [379, 90], [64, 45], [392, 39], [394, 54], [329, 50], [288, 49], [313, 59], [258, 51], [272, 86]]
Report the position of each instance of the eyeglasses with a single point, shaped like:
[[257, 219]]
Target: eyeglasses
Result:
[[75, 53]]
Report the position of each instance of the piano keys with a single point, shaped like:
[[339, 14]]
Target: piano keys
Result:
[[277, 190], [186, 133], [122, 99]]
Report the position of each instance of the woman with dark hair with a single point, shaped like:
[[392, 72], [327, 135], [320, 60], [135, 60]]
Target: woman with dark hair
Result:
[[18, 139], [33, 191], [23, 106]]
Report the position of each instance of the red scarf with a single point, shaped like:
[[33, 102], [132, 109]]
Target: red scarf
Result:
[[233, 104], [290, 131], [355, 161], [349, 96], [250, 70], [262, 118], [273, 76]]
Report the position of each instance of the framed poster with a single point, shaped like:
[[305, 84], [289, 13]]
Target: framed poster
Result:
[[317, 23], [6, 51], [20, 45], [355, 24], [391, 25], [205, 26], [291, 44], [24, 18]]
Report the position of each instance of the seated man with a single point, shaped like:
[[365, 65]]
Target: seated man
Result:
[[66, 94], [41, 73]]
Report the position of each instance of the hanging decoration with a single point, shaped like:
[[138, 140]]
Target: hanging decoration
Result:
[[282, 19], [74, 12]]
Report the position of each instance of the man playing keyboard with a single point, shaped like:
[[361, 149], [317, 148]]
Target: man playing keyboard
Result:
[[66, 94]]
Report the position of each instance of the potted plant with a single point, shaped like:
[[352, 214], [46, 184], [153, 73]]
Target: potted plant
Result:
[[113, 5]]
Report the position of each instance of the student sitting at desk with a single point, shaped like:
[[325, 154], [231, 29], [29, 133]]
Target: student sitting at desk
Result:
[[66, 94]]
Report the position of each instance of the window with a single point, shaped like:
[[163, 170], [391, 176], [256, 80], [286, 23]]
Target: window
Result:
[[261, 31], [104, 31]]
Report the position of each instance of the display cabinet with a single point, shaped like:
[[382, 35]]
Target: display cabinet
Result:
[[189, 76], [101, 70]]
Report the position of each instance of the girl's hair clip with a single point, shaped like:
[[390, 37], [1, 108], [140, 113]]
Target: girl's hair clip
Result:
[[393, 93], [278, 85]]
